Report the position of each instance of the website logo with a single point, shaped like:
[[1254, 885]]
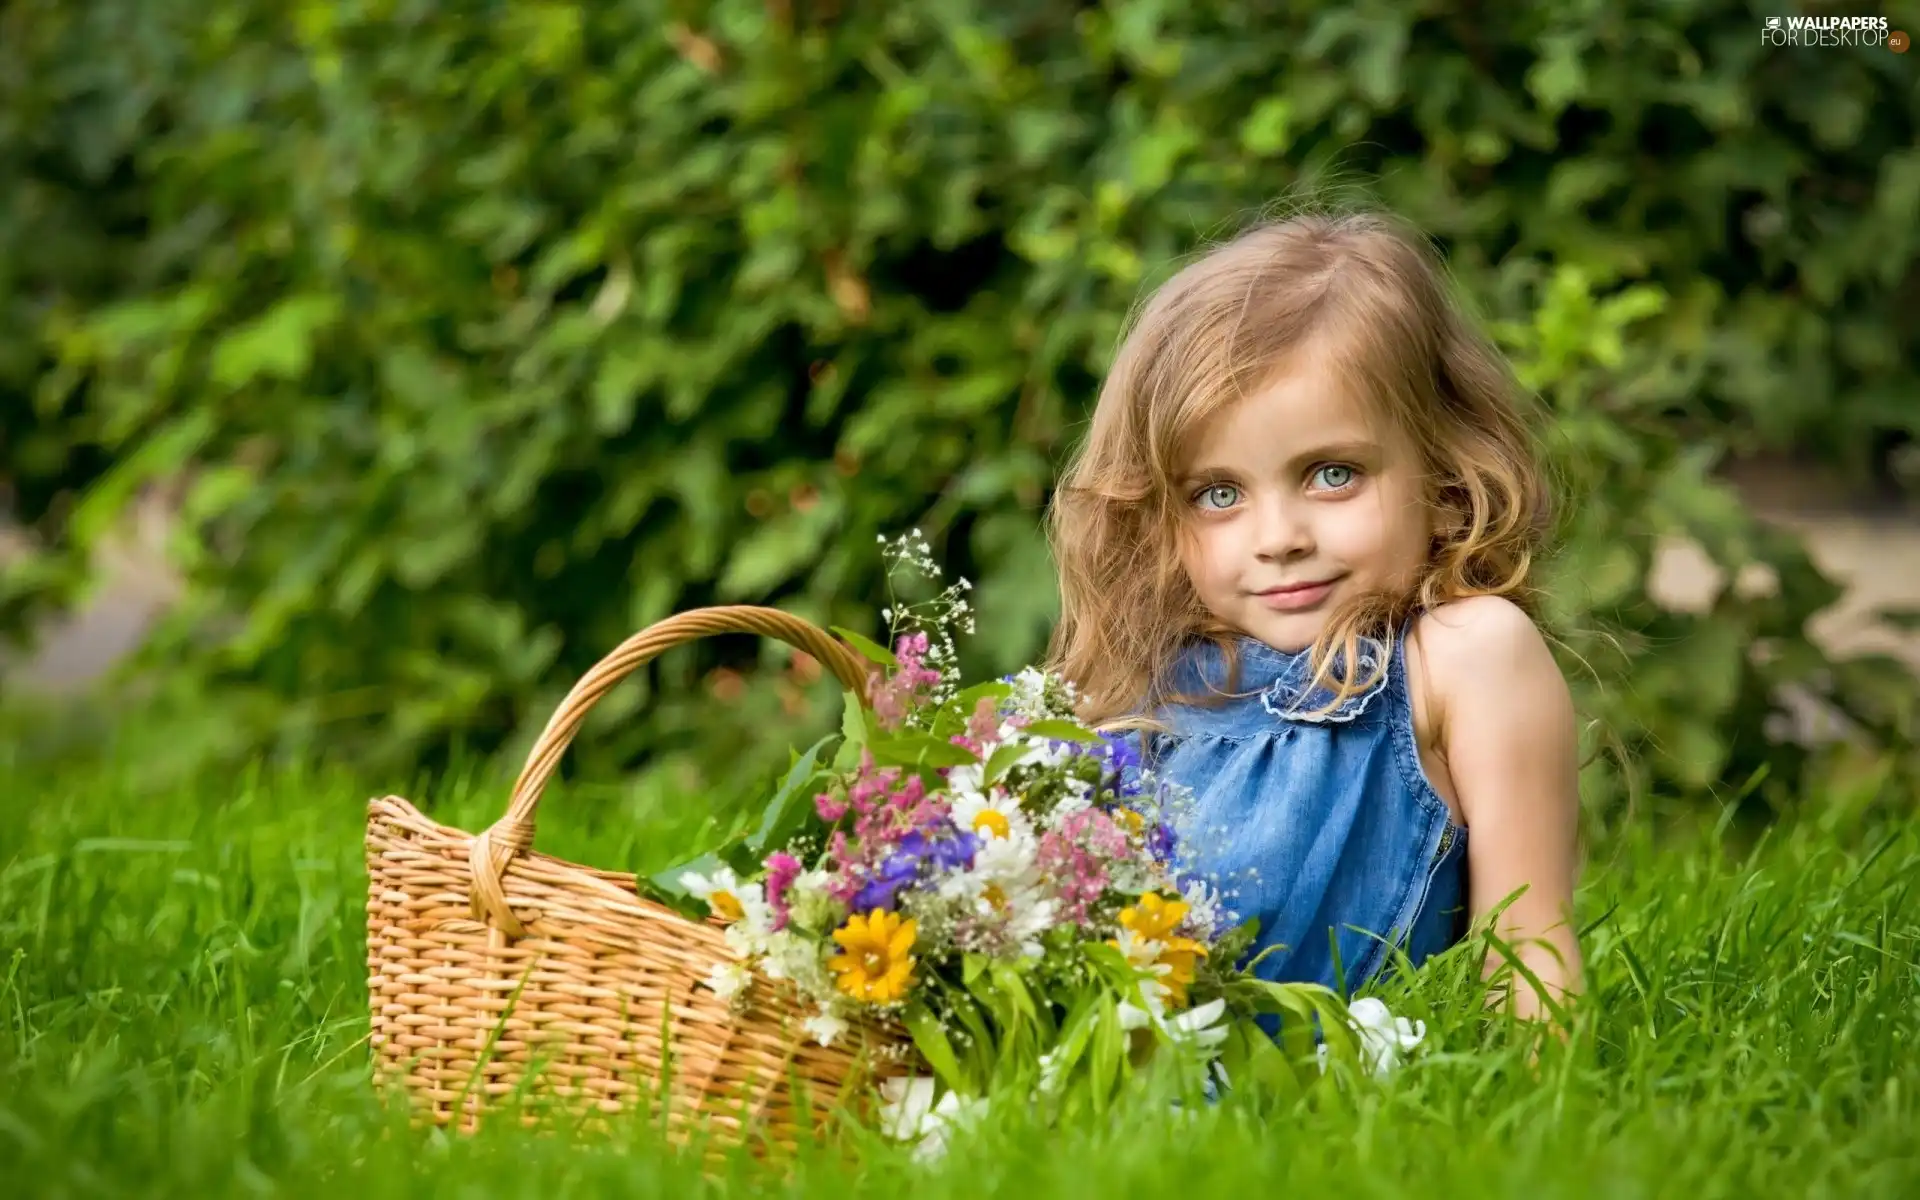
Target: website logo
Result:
[[1838, 32]]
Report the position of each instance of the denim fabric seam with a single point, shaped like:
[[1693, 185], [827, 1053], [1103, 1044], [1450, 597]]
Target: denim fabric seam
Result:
[[1406, 741], [1400, 928], [1406, 750], [1181, 739]]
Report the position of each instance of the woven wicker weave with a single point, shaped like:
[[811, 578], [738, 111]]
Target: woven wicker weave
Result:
[[495, 971]]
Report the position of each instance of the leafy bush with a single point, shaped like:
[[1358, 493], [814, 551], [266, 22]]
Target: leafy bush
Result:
[[485, 337]]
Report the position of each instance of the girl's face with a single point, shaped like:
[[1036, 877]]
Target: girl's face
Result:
[[1295, 501]]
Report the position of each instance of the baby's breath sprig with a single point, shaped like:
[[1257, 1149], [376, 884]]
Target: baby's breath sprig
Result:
[[940, 618]]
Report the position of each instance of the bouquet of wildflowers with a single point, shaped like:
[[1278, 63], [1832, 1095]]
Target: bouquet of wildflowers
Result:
[[1005, 884]]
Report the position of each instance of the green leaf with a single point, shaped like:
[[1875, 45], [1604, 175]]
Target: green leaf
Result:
[[972, 966], [1268, 128], [1003, 759], [773, 553], [277, 344], [914, 749], [984, 988], [1234, 943], [1109, 963], [787, 811], [983, 1047], [1007, 981], [1613, 577], [970, 699], [1061, 731], [853, 732], [1559, 76], [931, 1041], [869, 649], [1076, 1033], [1108, 1050], [1266, 1069], [668, 881]]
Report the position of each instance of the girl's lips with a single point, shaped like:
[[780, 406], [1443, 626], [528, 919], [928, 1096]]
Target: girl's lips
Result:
[[1292, 599]]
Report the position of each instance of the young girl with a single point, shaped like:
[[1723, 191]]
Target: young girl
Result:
[[1294, 555]]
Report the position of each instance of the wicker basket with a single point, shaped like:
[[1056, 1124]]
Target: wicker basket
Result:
[[498, 972]]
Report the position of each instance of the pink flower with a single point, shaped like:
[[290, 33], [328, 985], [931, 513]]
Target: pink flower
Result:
[[984, 725], [870, 784], [892, 697], [1097, 831], [889, 704], [911, 652], [902, 810], [1075, 858], [782, 870]]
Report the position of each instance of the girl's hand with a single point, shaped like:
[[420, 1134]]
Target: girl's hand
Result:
[[1503, 722]]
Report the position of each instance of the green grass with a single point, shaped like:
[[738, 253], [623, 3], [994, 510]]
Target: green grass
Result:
[[182, 1006]]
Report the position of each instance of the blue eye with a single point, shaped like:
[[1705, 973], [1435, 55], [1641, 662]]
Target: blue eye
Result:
[[1218, 496], [1333, 477]]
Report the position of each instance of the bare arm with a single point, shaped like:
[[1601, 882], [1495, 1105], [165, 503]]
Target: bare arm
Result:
[[1507, 734]]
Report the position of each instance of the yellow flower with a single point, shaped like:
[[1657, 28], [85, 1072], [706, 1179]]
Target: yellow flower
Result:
[[1151, 924], [876, 966], [1154, 918], [1180, 956], [721, 891], [1130, 821], [992, 821], [725, 905]]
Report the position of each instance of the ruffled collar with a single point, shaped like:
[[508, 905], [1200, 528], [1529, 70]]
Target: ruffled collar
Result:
[[1281, 682]]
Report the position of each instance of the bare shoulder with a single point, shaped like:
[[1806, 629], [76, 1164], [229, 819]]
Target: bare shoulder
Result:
[[1480, 636], [1483, 655]]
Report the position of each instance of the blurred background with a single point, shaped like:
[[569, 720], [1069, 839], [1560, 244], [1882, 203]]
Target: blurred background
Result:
[[368, 370]]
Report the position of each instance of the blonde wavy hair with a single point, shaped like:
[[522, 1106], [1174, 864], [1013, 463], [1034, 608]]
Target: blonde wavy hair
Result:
[[1369, 291]]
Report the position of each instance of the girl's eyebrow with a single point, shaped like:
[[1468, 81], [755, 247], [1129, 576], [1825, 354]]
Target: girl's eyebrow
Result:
[[1330, 452]]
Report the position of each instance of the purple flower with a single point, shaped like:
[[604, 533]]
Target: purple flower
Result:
[[881, 888], [1161, 841], [950, 851], [1123, 759], [1120, 753], [917, 851]]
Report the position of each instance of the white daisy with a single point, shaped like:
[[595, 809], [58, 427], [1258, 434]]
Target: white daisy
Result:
[[1201, 1028], [1384, 1038], [991, 816], [909, 1113], [1029, 695], [728, 980], [1029, 915], [720, 892], [1204, 913], [823, 1027], [1011, 861]]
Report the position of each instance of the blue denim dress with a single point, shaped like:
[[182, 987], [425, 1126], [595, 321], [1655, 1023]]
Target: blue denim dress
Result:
[[1325, 826]]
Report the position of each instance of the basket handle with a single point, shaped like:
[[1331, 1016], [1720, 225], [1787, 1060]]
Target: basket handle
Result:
[[512, 834]]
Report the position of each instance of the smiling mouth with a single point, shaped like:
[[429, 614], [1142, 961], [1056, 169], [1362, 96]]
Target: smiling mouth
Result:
[[1294, 589], [1297, 595]]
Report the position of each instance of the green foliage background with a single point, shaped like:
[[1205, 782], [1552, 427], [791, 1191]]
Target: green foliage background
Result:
[[484, 335]]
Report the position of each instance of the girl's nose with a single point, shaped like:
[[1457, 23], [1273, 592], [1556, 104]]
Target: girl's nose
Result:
[[1285, 531]]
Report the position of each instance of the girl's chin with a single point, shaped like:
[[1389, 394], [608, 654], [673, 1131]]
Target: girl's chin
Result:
[[1286, 636]]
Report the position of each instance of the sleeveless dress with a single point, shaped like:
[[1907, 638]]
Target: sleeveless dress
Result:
[[1325, 827]]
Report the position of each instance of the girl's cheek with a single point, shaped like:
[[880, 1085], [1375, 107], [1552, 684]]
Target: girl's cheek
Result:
[[1213, 550]]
